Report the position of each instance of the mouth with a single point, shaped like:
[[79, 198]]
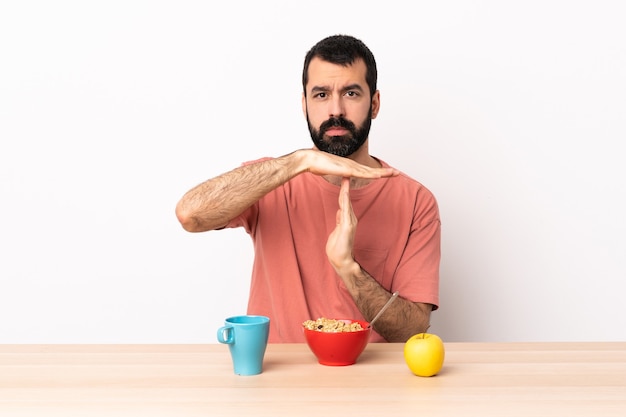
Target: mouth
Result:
[[336, 131]]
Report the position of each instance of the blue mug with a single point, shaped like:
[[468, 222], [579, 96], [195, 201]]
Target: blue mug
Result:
[[246, 337]]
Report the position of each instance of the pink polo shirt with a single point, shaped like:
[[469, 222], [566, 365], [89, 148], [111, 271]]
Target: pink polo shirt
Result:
[[397, 242]]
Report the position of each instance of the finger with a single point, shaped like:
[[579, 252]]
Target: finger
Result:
[[363, 171], [344, 201]]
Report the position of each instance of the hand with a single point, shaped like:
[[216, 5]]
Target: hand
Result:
[[341, 240], [322, 163]]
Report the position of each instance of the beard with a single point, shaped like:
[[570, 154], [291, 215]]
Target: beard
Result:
[[344, 145]]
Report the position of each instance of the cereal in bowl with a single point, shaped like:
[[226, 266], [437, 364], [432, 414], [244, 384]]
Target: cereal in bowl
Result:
[[331, 325]]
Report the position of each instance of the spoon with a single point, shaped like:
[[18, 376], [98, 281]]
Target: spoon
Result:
[[382, 310]]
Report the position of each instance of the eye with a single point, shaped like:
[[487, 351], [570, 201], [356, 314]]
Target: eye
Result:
[[352, 93], [319, 95]]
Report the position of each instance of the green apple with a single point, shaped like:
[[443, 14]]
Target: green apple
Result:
[[424, 354]]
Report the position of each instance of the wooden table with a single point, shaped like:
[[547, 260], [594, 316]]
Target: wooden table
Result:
[[478, 379]]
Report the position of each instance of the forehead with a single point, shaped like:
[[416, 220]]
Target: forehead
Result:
[[326, 74]]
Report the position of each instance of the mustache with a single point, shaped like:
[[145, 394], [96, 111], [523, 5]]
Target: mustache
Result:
[[337, 122]]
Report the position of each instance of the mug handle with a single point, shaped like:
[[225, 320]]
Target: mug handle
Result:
[[230, 336]]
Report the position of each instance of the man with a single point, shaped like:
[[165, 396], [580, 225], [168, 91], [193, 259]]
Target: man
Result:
[[312, 259]]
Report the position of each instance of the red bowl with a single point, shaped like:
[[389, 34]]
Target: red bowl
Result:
[[338, 349]]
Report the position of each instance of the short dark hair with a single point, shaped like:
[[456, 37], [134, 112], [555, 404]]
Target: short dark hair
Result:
[[342, 50]]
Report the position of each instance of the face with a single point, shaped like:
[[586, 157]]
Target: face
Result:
[[338, 107]]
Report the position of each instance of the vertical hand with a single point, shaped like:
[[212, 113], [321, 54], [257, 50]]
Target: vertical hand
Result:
[[341, 240]]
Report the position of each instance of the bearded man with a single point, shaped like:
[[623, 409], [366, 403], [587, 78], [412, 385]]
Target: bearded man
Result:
[[335, 230]]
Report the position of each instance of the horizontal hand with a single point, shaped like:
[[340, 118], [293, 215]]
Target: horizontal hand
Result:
[[322, 163]]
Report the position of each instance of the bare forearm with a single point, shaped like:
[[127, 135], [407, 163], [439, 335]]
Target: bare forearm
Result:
[[400, 321], [212, 204], [215, 202]]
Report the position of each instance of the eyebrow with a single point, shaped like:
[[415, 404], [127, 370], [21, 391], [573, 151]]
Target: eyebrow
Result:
[[317, 89]]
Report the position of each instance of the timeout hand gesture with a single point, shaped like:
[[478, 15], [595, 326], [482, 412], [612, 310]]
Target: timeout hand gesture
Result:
[[341, 240]]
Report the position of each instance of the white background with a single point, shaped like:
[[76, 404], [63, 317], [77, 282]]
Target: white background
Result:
[[512, 113]]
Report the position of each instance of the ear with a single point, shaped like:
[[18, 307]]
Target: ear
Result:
[[304, 105], [375, 104]]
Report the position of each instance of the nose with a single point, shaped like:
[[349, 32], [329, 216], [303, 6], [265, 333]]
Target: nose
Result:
[[335, 106]]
